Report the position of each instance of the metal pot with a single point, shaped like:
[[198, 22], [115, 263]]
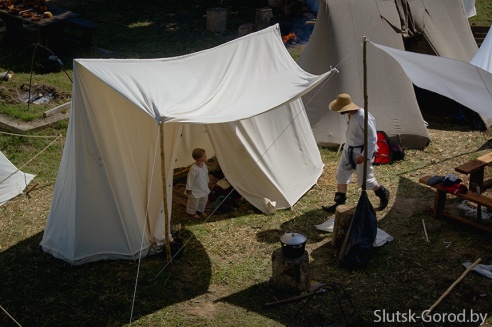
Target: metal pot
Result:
[[293, 245]]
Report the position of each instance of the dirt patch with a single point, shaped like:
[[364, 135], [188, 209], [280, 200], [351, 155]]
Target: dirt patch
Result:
[[38, 94]]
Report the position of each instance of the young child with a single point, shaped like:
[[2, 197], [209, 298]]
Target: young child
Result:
[[197, 185]]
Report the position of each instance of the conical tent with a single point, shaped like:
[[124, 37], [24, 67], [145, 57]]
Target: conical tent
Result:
[[133, 121], [336, 42], [12, 180]]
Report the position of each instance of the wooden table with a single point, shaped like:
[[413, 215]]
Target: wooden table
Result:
[[49, 29], [476, 170]]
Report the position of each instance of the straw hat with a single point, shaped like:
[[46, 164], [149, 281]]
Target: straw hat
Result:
[[343, 103]]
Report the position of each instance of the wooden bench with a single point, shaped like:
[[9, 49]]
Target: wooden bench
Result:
[[85, 29], [440, 203], [476, 170]]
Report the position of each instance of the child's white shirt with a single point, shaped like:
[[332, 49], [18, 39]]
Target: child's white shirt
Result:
[[197, 181]]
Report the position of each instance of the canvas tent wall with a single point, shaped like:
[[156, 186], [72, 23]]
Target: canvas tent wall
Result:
[[12, 180], [240, 101], [336, 41]]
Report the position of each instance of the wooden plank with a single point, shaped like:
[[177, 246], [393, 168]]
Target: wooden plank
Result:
[[470, 167], [487, 158], [56, 110], [465, 221]]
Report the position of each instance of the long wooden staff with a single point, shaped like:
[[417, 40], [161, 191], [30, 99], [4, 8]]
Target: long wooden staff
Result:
[[428, 311], [366, 111]]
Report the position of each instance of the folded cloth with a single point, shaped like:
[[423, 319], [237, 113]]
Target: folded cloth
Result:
[[382, 238], [456, 189], [327, 226], [450, 179], [435, 180], [485, 270]]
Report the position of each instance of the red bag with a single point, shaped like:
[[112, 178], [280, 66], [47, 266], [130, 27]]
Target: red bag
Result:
[[387, 151], [383, 153]]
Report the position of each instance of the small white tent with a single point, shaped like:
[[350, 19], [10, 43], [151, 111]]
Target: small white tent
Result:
[[336, 41], [133, 121], [12, 180]]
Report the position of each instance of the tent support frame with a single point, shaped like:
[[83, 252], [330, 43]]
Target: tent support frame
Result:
[[164, 195]]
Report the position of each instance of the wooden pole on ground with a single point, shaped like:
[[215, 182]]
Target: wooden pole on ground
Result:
[[31, 188], [428, 311], [425, 231]]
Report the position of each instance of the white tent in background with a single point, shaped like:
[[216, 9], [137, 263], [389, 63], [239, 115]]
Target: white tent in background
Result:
[[483, 57], [12, 180], [133, 121], [336, 41]]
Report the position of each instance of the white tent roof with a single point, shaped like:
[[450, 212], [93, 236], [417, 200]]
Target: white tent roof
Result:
[[240, 101], [458, 80], [12, 180], [204, 87]]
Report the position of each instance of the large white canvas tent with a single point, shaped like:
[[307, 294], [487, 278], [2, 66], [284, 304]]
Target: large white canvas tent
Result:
[[336, 41], [133, 121], [12, 180]]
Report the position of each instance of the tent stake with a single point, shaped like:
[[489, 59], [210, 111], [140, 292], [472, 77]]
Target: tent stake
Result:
[[164, 195], [425, 231]]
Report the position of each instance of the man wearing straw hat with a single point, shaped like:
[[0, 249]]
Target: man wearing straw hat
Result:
[[354, 154]]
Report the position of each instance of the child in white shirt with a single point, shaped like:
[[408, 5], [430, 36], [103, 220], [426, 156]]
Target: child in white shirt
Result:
[[197, 185]]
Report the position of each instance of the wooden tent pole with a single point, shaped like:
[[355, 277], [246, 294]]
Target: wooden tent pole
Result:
[[164, 195], [366, 110]]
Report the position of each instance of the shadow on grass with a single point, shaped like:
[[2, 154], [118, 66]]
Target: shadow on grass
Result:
[[329, 307], [39, 290], [401, 274]]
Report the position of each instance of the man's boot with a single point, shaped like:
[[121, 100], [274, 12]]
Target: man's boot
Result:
[[340, 198], [383, 194]]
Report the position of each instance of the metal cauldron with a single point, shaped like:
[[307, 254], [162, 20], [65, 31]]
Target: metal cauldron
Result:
[[293, 245]]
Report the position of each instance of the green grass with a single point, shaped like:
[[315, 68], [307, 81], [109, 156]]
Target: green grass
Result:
[[483, 17]]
